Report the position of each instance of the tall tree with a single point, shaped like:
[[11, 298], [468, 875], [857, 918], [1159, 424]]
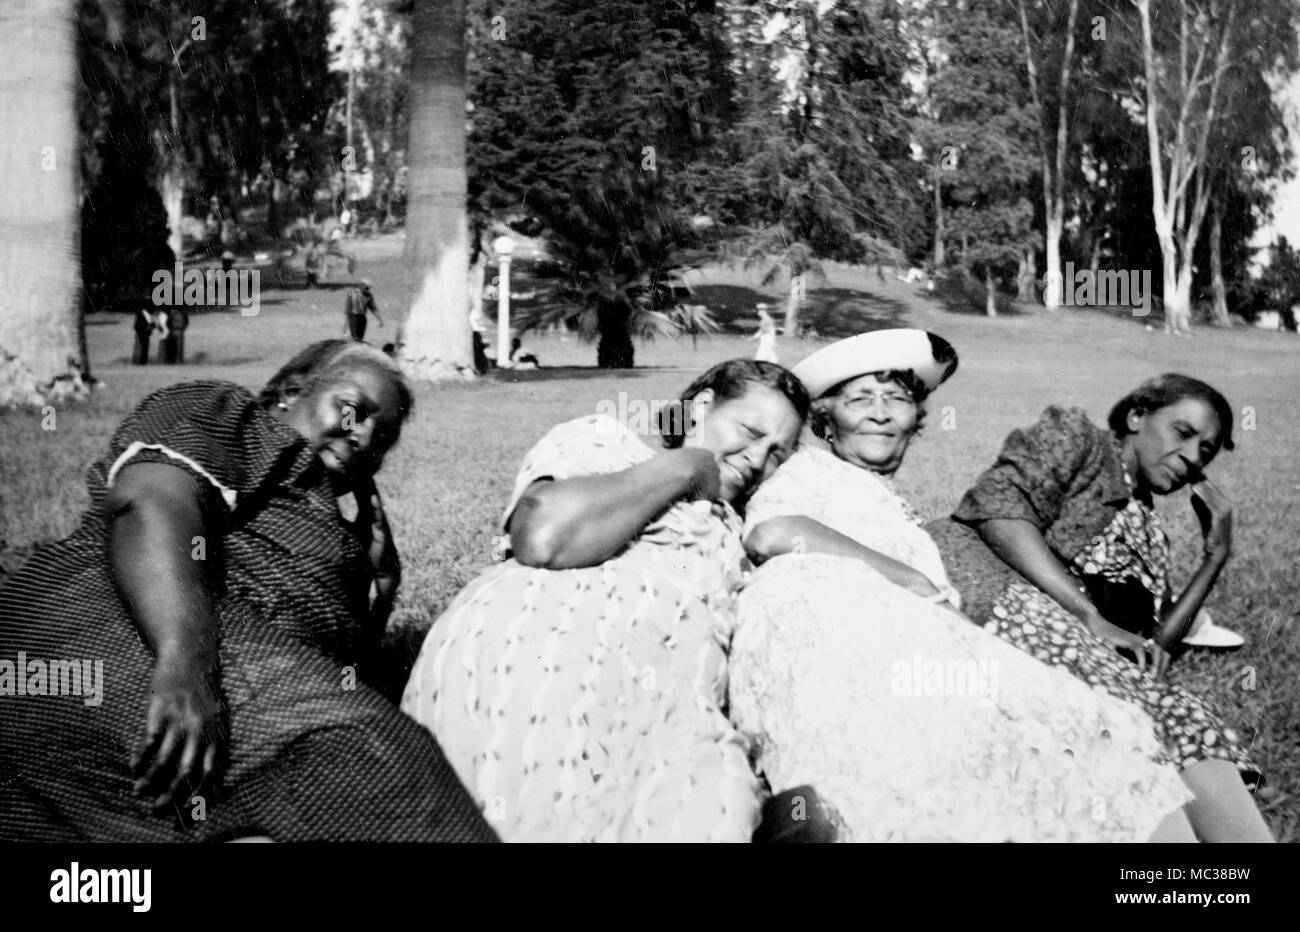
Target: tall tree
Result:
[[1049, 52], [982, 140], [41, 345], [436, 339], [1184, 75]]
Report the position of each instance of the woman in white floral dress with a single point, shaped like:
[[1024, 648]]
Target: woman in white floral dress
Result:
[[852, 672], [577, 687]]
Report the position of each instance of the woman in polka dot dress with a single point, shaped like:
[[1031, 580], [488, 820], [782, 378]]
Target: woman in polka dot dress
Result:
[[577, 687]]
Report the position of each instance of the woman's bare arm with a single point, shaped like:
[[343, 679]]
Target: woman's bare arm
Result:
[[1020, 544], [156, 517], [569, 523], [801, 534], [1022, 547]]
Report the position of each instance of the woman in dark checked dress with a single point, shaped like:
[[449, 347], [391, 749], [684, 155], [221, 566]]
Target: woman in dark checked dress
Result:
[[230, 604]]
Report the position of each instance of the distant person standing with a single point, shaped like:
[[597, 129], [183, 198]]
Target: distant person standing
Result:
[[160, 325], [766, 336], [178, 321], [359, 303], [144, 326]]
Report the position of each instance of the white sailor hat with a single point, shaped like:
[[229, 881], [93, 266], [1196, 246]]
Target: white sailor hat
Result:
[[931, 358]]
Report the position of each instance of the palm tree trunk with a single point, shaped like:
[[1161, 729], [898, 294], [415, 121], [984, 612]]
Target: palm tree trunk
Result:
[[614, 351], [436, 339], [41, 357]]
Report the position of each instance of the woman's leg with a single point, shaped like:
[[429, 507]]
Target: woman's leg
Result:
[[1174, 829], [316, 756], [1223, 809]]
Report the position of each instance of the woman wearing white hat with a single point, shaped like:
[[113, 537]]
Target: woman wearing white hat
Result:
[[852, 671]]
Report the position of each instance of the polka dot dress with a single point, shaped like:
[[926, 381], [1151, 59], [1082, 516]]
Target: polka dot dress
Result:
[[585, 704]]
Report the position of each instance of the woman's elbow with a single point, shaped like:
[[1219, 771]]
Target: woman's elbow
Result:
[[768, 539], [536, 549], [534, 536]]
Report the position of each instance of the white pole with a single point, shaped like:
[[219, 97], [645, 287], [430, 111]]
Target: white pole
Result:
[[503, 316], [504, 246]]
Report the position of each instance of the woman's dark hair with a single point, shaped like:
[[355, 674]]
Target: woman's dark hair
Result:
[[301, 374], [728, 381], [905, 379], [1168, 389]]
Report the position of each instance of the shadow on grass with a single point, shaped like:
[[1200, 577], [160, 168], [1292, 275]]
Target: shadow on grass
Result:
[[556, 373], [831, 312], [841, 312]]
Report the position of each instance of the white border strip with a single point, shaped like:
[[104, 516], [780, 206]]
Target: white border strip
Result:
[[230, 495]]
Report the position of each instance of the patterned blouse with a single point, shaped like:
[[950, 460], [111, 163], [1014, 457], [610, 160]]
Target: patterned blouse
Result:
[[1065, 475]]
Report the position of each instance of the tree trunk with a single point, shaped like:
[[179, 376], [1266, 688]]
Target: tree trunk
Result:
[[171, 182], [990, 294], [171, 185], [614, 351], [938, 224], [1055, 284], [1025, 276], [1177, 284], [1220, 311], [436, 340], [41, 359]]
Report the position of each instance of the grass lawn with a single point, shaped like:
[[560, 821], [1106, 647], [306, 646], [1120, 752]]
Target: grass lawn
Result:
[[448, 480]]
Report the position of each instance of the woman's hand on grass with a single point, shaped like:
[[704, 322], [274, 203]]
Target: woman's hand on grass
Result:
[[186, 733]]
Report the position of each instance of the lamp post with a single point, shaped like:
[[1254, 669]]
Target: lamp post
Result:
[[504, 246]]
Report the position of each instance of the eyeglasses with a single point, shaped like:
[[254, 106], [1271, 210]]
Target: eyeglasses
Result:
[[892, 400]]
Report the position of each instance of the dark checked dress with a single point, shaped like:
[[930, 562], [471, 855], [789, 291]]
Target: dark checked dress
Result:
[[1066, 476], [314, 753]]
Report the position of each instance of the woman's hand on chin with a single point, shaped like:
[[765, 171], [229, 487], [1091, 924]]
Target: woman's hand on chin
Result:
[[706, 482]]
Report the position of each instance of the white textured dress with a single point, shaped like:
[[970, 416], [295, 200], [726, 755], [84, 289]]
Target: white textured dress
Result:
[[585, 704], [911, 722]]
